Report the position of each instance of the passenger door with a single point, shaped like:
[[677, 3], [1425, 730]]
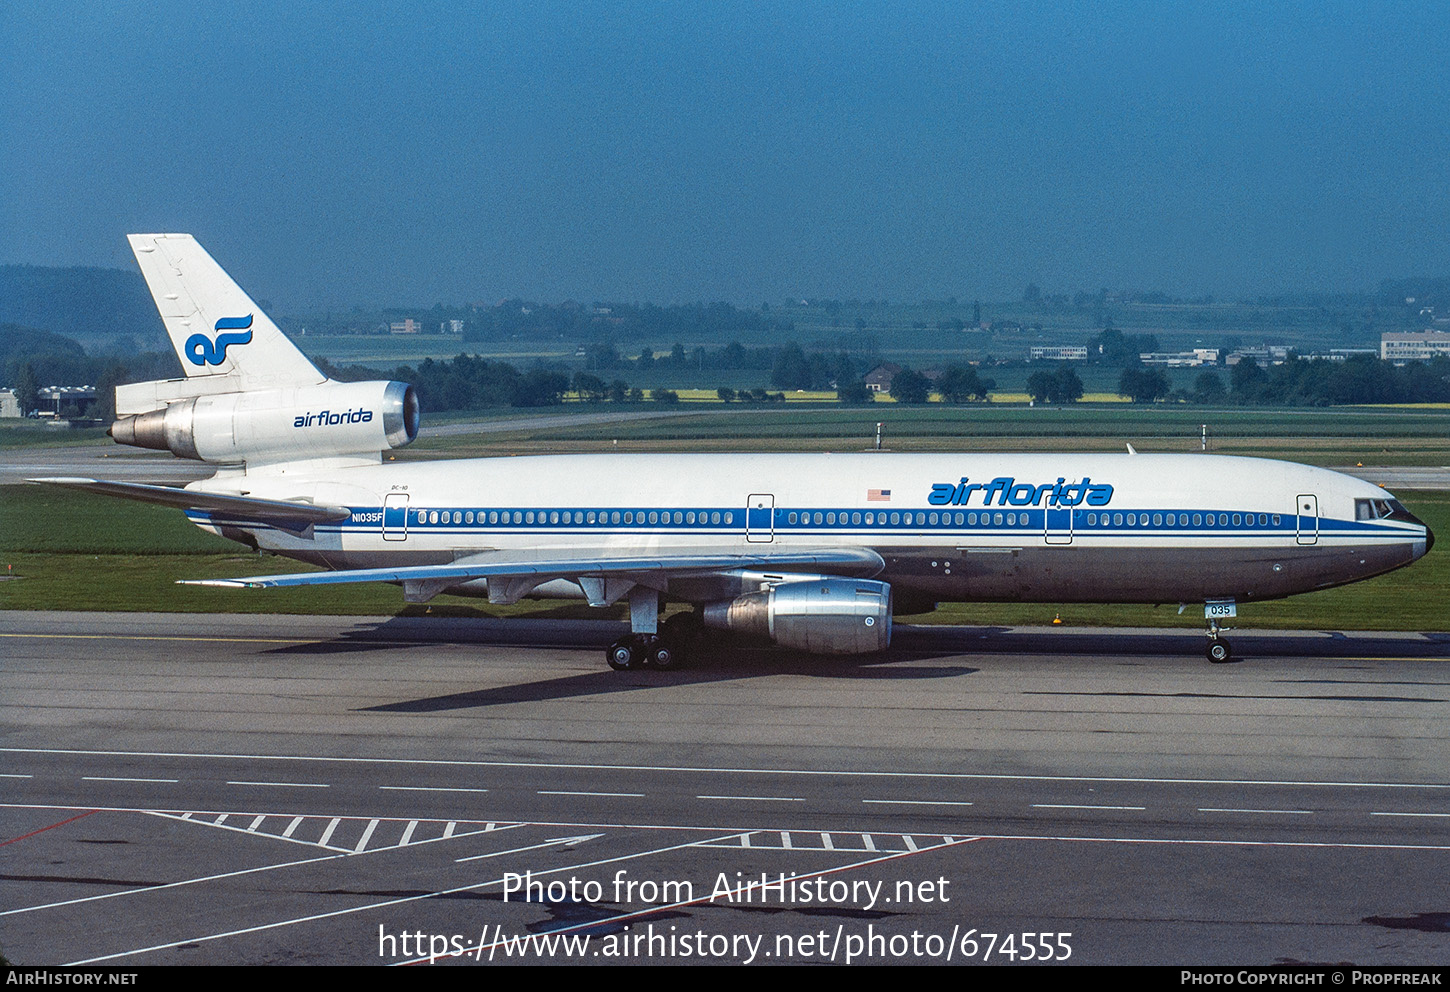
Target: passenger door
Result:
[[1306, 519]]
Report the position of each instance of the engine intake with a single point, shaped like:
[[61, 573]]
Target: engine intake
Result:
[[822, 616]]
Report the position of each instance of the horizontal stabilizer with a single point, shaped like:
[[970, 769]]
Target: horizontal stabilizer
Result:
[[846, 561], [278, 511]]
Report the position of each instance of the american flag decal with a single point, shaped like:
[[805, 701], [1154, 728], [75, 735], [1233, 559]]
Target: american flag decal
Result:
[[878, 495]]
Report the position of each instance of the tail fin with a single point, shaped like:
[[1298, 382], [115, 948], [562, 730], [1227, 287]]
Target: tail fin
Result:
[[215, 328]]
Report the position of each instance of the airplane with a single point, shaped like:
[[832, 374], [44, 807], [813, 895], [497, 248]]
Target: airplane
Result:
[[815, 552]]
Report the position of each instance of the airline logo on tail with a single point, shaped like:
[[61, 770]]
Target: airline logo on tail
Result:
[[201, 350]]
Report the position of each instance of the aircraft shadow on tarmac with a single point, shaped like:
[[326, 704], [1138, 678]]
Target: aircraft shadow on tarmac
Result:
[[740, 664], [745, 661]]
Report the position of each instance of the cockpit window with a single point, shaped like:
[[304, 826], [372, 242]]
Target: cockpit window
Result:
[[1382, 509]]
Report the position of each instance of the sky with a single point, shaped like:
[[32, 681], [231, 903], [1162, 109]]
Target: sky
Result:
[[340, 154]]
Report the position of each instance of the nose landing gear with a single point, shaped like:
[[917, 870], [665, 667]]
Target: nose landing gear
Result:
[[1215, 610], [1218, 651]]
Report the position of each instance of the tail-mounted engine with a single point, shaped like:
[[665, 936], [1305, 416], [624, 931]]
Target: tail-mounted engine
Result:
[[277, 425], [822, 616]]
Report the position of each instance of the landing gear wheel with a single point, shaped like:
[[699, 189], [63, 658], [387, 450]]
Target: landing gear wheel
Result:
[[682, 635], [664, 656], [1219, 651], [624, 655]]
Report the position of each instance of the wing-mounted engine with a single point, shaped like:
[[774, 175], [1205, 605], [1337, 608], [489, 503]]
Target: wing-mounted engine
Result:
[[267, 426], [824, 616]]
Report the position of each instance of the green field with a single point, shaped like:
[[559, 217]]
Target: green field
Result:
[[1339, 436], [75, 551]]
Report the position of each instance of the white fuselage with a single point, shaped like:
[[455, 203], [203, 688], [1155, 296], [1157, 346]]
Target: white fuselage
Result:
[[1057, 527]]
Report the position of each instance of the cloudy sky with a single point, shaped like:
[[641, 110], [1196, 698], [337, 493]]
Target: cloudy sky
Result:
[[331, 154]]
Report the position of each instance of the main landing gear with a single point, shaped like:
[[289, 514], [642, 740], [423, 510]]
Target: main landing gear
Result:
[[661, 646], [643, 651]]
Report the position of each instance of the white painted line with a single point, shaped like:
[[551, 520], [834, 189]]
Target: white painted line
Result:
[[6, 775], [618, 795], [327, 834], [408, 833], [785, 839], [296, 822], [815, 773], [744, 840], [1411, 814], [826, 841], [758, 799], [567, 841], [367, 836], [148, 889], [107, 778], [255, 824], [910, 844], [384, 904], [220, 820], [1292, 812], [915, 802], [1071, 806], [448, 830], [286, 785], [425, 788], [870, 844]]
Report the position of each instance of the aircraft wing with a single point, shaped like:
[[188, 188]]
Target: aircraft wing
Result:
[[290, 514], [593, 572]]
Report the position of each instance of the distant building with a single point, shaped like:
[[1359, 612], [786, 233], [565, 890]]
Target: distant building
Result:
[[9, 403], [1413, 346], [1054, 353], [1180, 359], [409, 326], [1274, 354], [450, 327], [879, 379], [55, 399]]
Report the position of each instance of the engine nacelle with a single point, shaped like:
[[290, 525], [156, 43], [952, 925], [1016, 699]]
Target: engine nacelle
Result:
[[822, 616], [277, 425]]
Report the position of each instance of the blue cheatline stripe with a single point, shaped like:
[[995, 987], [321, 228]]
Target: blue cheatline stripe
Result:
[[1028, 522]]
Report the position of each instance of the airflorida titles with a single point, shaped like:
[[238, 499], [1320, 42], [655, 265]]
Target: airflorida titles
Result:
[[1009, 492]]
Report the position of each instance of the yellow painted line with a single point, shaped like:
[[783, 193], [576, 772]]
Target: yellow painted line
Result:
[[156, 637]]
